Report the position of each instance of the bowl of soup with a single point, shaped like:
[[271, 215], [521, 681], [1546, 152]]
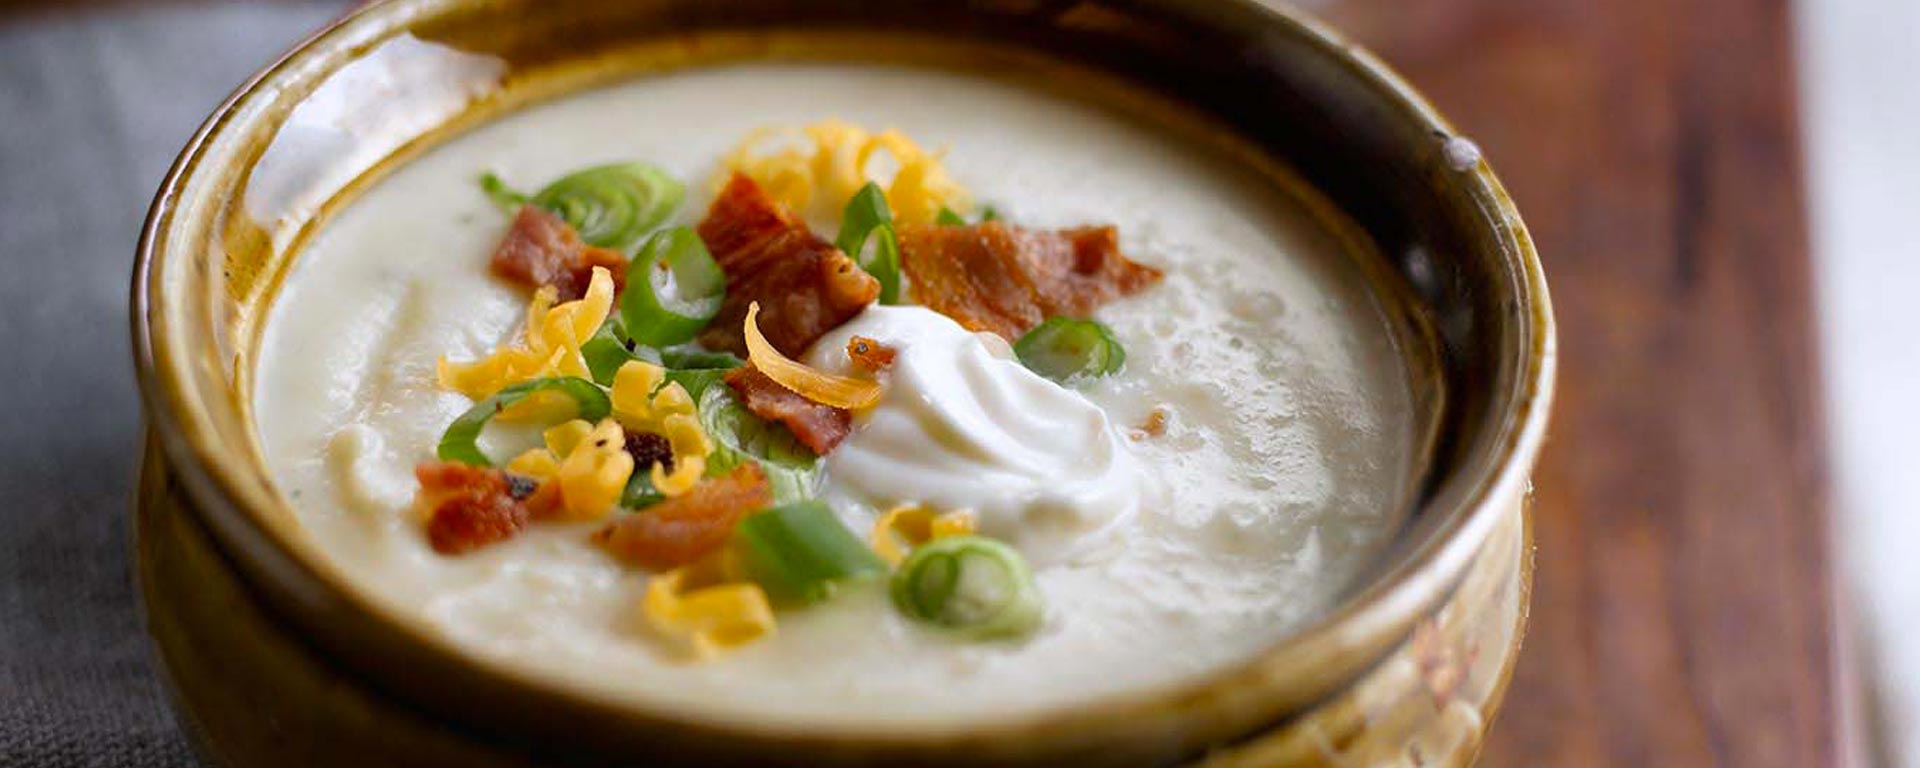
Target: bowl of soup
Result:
[[1020, 383]]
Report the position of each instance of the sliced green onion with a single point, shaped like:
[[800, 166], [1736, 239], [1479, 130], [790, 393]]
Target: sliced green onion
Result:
[[609, 348], [1067, 350], [866, 215], [640, 493], [613, 206], [696, 381], [948, 218], [801, 553], [974, 586], [461, 440], [793, 472], [688, 359], [674, 288], [507, 198]]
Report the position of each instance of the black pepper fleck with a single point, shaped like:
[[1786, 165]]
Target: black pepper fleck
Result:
[[521, 486]]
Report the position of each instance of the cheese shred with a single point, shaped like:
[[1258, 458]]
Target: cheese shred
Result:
[[549, 348], [818, 386], [910, 525], [709, 606], [815, 169]]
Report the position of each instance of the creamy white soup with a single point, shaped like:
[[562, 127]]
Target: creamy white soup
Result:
[[1180, 515]]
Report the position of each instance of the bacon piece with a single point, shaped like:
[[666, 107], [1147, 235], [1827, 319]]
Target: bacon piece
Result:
[[540, 249], [805, 286], [546, 503], [1005, 279], [869, 354], [648, 449], [818, 427], [470, 507], [685, 528]]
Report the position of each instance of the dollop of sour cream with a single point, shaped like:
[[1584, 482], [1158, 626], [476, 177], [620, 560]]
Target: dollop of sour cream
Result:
[[964, 425]]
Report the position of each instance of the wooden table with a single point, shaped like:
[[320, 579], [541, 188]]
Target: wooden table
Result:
[[1684, 610]]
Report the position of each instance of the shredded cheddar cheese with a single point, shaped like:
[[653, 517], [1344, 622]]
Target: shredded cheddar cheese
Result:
[[644, 401], [588, 463], [550, 347], [595, 472], [910, 525], [816, 168], [709, 605], [818, 386]]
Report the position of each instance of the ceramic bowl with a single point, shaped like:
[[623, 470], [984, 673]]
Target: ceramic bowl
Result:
[[274, 660]]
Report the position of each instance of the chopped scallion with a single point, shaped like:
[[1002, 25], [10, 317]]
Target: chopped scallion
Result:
[[950, 218], [461, 440], [865, 217], [640, 492], [801, 553], [1068, 350], [674, 288], [612, 206], [696, 381], [507, 198], [793, 472], [609, 348], [974, 586], [686, 359]]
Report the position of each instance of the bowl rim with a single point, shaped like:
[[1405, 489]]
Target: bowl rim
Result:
[[1391, 601]]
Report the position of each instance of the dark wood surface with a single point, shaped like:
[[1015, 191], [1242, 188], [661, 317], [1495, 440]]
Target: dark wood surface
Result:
[[1683, 613]]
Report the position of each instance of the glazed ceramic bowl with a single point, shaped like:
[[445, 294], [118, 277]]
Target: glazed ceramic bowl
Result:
[[274, 659]]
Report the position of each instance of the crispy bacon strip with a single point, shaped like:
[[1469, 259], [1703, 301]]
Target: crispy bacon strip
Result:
[[869, 354], [685, 528], [818, 427], [540, 249], [805, 286], [470, 507], [996, 277]]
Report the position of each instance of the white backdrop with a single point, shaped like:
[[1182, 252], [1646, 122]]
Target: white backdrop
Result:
[[1860, 86]]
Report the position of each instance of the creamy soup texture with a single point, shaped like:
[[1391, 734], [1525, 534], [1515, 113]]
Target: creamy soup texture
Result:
[[1282, 468]]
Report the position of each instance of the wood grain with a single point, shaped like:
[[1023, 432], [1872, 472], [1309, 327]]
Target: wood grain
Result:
[[1683, 611]]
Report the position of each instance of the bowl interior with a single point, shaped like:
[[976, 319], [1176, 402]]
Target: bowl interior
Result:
[[399, 77]]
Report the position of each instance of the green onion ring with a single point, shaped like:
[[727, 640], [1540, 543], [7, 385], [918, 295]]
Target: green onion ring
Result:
[[613, 206], [974, 586], [507, 198], [1068, 350], [461, 440], [691, 359], [609, 348], [793, 472], [867, 214], [674, 288]]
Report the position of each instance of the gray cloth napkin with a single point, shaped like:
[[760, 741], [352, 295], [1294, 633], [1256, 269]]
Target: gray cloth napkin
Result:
[[94, 104]]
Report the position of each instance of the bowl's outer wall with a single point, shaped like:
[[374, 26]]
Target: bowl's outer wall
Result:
[[1292, 89]]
